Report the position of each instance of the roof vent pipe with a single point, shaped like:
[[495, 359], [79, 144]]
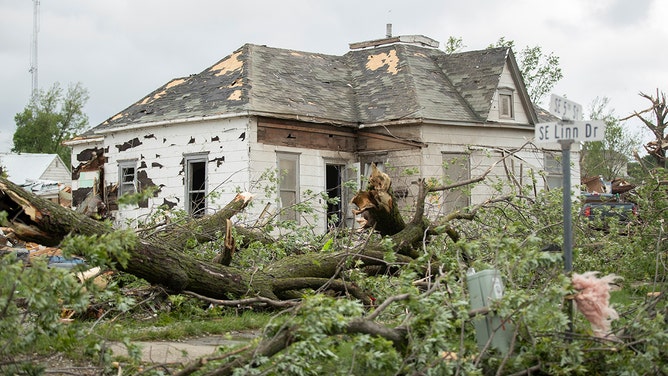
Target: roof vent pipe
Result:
[[388, 30]]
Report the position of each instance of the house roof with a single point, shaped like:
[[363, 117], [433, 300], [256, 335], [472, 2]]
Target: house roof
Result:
[[28, 167], [389, 83]]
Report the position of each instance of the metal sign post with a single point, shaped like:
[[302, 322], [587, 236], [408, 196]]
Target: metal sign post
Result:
[[568, 222], [567, 204], [565, 132]]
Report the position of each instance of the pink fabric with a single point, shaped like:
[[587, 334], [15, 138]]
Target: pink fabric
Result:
[[593, 300]]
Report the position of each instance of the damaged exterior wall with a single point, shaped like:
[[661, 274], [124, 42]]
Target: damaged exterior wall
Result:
[[159, 157], [87, 170], [298, 139], [405, 106], [159, 153], [160, 161]]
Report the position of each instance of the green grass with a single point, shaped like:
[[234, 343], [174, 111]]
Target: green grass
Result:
[[171, 327]]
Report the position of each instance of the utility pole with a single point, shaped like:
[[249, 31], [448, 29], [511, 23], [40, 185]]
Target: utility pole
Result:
[[33, 52]]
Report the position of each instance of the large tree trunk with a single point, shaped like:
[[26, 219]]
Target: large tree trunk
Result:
[[159, 258]]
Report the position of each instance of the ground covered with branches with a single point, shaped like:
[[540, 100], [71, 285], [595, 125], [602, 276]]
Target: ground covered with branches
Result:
[[364, 302]]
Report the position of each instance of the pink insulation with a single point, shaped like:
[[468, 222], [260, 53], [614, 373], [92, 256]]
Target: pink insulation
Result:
[[593, 300]]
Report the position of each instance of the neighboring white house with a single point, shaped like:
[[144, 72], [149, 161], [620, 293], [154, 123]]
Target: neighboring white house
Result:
[[321, 119], [43, 174]]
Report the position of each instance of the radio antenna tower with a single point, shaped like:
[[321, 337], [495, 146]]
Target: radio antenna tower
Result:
[[33, 53]]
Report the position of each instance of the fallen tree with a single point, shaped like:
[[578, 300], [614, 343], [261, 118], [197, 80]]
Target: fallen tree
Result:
[[158, 255]]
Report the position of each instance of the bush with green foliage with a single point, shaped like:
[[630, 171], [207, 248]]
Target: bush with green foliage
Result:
[[35, 299]]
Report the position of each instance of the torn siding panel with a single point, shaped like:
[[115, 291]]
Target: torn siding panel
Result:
[[128, 144], [305, 135], [87, 173]]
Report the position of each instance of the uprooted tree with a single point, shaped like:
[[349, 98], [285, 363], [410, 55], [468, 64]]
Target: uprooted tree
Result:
[[418, 323]]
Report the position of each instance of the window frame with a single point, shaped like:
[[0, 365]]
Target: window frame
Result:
[[506, 101], [458, 199], [554, 174], [283, 189], [123, 166], [188, 161]]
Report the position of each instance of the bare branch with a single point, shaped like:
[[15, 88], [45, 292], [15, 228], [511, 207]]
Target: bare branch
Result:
[[385, 304], [245, 302]]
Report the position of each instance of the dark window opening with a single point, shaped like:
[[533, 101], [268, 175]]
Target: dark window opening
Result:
[[196, 188], [333, 186]]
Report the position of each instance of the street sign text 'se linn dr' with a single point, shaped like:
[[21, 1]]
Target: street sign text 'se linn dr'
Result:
[[571, 127], [592, 130]]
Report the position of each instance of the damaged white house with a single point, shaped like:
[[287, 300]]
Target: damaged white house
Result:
[[399, 102]]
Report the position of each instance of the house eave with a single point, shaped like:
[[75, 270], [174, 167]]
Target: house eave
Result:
[[83, 141], [162, 123], [448, 122], [305, 118]]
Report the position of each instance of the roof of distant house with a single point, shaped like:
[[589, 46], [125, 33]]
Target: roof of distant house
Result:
[[388, 83], [25, 167]]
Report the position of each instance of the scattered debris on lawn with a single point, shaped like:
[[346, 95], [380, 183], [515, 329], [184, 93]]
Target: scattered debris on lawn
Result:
[[26, 251]]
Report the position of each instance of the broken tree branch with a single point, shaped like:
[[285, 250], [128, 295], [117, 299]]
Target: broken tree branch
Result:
[[245, 302]]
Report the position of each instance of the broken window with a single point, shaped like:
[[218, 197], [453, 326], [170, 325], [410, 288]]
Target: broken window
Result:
[[127, 177], [288, 167], [456, 168], [195, 166], [506, 110], [553, 170]]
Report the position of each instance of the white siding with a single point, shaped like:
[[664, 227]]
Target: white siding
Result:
[[236, 162], [57, 171], [485, 146], [76, 150], [161, 155]]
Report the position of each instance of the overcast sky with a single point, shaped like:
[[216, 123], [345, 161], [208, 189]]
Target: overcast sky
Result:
[[121, 50]]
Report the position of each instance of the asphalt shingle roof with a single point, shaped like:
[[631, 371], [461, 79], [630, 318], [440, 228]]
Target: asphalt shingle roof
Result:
[[382, 84]]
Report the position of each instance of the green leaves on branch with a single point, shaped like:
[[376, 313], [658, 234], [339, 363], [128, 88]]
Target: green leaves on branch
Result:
[[102, 250], [53, 117], [540, 71], [610, 157]]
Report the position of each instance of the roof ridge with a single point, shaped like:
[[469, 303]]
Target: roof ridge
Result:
[[412, 81]]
